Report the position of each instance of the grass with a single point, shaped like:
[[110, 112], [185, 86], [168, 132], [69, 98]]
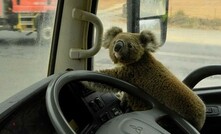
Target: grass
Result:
[[180, 19]]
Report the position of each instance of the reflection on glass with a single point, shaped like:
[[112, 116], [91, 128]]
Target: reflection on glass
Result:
[[150, 8], [153, 26]]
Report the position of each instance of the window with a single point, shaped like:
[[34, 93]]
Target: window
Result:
[[111, 13], [193, 36], [25, 41]]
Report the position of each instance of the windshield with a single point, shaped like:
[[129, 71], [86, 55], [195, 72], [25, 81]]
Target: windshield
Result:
[[193, 36], [193, 39], [25, 41]]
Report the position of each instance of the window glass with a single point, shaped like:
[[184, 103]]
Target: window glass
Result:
[[193, 36], [26, 28], [111, 13]]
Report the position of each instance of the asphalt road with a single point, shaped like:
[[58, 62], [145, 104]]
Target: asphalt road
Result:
[[22, 62]]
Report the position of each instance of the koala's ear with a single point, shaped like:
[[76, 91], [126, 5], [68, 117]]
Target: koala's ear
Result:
[[148, 40], [109, 35]]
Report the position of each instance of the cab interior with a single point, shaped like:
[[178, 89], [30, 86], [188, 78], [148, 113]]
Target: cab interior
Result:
[[60, 104]]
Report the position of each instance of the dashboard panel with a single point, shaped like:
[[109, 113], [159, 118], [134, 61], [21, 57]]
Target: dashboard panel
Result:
[[85, 110]]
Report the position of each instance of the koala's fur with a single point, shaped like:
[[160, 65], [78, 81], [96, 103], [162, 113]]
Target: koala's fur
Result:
[[136, 65]]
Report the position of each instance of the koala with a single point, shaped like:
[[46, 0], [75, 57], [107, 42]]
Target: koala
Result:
[[132, 53]]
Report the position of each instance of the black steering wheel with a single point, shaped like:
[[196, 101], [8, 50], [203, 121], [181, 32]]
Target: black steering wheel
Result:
[[201, 73], [134, 122]]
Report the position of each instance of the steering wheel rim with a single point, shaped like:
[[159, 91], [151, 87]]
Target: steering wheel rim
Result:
[[61, 125], [201, 73]]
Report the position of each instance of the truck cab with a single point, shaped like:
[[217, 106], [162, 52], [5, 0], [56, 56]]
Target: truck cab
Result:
[[41, 82], [25, 16]]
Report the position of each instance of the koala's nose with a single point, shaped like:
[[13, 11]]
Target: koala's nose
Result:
[[119, 45]]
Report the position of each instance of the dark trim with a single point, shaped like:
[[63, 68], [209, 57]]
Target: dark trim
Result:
[[54, 45], [90, 35], [163, 25], [133, 15], [152, 17], [18, 2]]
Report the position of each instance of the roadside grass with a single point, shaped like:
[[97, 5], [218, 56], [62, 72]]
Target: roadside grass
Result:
[[180, 19]]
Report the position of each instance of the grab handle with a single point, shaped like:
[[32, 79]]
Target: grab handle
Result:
[[76, 53]]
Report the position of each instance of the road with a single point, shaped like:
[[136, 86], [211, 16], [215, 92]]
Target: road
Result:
[[22, 62]]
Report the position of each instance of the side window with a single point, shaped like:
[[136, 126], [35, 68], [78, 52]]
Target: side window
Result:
[[192, 37], [26, 28], [111, 13]]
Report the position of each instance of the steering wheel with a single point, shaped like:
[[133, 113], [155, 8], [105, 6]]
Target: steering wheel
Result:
[[135, 122], [196, 76]]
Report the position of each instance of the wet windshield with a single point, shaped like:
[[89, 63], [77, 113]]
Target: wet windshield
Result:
[[25, 38], [193, 39]]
